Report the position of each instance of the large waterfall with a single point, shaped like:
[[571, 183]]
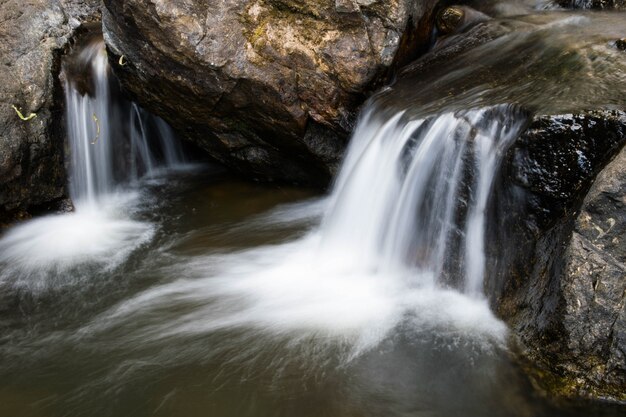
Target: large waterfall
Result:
[[400, 245]]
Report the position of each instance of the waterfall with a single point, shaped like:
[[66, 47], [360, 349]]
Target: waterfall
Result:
[[400, 248], [111, 142], [412, 194]]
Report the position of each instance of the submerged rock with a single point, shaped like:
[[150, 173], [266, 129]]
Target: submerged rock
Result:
[[268, 87], [34, 35]]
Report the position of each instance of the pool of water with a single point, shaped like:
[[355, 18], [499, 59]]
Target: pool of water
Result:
[[216, 307]]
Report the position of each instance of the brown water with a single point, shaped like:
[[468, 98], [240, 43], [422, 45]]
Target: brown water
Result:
[[138, 339], [195, 294]]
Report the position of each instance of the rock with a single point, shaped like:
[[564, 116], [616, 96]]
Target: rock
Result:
[[593, 310], [562, 290], [33, 36], [594, 4], [253, 81], [454, 19]]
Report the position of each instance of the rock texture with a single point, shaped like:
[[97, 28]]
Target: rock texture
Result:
[[594, 4], [268, 87], [563, 289], [33, 35], [594, 287]]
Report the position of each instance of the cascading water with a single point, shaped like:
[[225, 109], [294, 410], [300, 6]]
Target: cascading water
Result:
[[365, 303], [103, 155], [112, 145], [405, 223], [413, 193]]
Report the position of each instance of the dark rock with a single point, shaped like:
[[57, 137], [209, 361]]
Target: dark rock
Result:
[[454, 19], [449, 19], [562, 288], [33, 36], [594, 4], [251, 81]]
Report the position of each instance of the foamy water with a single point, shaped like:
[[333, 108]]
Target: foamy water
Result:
[[103, 235]]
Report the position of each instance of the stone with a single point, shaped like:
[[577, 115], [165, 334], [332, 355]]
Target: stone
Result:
[[248, 80], [449, 19], [594, 4], [563, 289]]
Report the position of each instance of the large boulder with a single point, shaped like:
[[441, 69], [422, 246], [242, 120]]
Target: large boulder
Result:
[[268, 87], [593, 283], [33, 35], [562, 287]]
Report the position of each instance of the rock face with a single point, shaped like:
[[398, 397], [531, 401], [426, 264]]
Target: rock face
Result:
[[563, 289], [594, 286], [268, 87], [33, 35]]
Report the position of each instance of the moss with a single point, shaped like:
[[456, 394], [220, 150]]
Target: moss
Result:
[[258, 32], [307, 31], [310, 8], [566, 385]]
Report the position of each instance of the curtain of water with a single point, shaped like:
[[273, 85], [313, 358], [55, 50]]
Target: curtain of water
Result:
[[110, 146], [413, 193]]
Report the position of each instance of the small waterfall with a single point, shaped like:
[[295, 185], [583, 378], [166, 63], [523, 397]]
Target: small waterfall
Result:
[[112, 145], [412, 193], [112, 142]]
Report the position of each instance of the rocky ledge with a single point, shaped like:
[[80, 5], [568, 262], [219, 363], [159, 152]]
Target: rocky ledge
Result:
[[555, 248]]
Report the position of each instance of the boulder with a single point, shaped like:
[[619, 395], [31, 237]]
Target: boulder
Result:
[[562, 289], [270, 88], [33, 35]]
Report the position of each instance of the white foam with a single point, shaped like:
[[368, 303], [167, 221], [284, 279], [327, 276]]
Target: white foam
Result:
[[103, 234], [285, 291]]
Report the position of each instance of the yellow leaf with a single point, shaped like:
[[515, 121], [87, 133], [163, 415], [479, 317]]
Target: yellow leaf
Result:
[[21, 116]]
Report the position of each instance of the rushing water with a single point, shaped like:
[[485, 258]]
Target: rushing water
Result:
[[411, 187], [112, 145], [187, 293]]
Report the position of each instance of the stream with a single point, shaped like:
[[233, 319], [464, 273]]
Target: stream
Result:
[[175, 289]]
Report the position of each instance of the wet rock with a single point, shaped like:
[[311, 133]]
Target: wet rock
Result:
[[456, 18], [33, 36], [251, 80], [594, 4], [562, 290]]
